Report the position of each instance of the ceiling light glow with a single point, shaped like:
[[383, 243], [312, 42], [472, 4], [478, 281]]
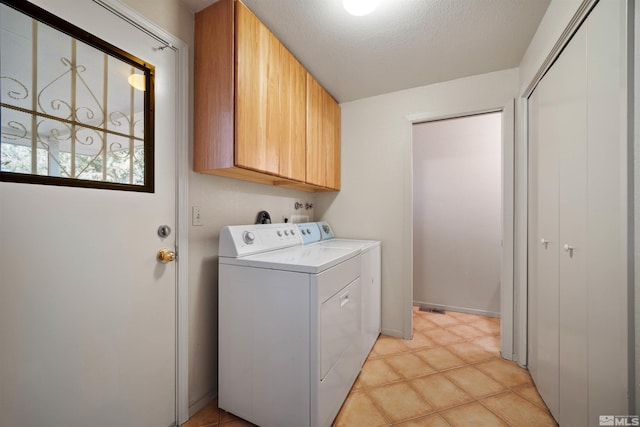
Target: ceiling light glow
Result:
[[137, 81], [360, 7]]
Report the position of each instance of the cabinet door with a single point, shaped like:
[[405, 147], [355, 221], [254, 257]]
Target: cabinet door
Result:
[[257, 94], [213, 127], [293, 106], [316, 154], [333, 142], [323, 137]]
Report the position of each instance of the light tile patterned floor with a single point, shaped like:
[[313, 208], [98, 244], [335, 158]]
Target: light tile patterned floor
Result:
[[211, 416], [449, 374]]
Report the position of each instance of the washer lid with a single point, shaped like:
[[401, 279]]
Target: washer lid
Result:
[[304, 259]]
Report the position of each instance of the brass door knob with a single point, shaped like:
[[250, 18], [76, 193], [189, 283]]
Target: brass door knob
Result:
[[165, 256]]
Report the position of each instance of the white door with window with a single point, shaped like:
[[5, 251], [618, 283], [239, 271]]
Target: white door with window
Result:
[[87, 312]]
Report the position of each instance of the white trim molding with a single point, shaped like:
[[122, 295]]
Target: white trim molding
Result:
[[507, 291], [521, 226]]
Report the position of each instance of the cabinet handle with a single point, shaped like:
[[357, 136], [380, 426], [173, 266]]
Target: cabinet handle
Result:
[[568, 249], [544, 242]]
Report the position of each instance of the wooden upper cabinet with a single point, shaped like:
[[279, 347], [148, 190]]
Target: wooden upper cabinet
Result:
[[323, 137], [251, 103]]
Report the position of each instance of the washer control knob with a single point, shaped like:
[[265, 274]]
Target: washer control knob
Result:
[[279, 233], [248, 237], [326, 228], [293, 232], [308, 231], [286, 232]]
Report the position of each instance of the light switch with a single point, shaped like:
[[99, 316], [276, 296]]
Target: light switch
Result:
[[196, 216]]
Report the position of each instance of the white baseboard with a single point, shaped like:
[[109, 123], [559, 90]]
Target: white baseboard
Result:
[[425, 305], [391, 333]]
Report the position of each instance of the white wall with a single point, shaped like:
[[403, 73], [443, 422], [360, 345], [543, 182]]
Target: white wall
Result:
[[375, 200], [457, 211], [223, 202], [172, 15]]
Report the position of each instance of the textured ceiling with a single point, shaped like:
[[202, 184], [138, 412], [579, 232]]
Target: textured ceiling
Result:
[[403, 43]]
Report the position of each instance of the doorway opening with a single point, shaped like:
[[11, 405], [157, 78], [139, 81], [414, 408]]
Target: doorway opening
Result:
[[462, 208], [457, 214]]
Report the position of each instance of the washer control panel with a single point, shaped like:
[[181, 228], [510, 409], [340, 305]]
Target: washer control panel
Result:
[[241, 240]]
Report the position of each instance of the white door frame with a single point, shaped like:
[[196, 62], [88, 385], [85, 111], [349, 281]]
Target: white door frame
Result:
[[508, 179], [181, 49]]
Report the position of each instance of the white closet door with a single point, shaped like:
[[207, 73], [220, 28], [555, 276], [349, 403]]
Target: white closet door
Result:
[[572, 152], [543, 294], [606, 211], [579, 202]]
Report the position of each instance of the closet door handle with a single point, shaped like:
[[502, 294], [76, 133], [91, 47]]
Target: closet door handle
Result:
[[344, 299], [568, 249], [544, 242]]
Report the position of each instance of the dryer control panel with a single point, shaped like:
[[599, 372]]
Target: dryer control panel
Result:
[[325, 230]]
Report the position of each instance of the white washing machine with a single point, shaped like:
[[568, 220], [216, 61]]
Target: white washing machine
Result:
[[289, 325], [370, 280]]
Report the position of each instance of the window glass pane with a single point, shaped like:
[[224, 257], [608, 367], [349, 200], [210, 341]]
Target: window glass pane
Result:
[[71, 108], [15, 58], [53, 73]]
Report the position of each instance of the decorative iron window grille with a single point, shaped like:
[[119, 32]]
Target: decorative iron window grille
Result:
[[75, 110]]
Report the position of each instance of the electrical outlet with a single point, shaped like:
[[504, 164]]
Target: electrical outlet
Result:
[[196, 216]]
